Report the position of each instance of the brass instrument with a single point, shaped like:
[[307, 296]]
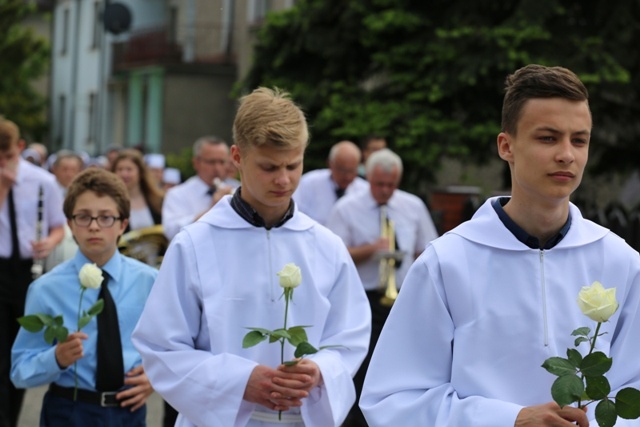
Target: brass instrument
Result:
[[387, 275], [147, 245]]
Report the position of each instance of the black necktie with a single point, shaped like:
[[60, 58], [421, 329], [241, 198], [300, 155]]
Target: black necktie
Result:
[[211, 190], [110, 371], [15, 250], [340, 192]]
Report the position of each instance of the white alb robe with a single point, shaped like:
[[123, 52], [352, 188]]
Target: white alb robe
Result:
[[480, 312], [217, 278]]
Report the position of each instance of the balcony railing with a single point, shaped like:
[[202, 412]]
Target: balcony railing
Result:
[[150, 47]]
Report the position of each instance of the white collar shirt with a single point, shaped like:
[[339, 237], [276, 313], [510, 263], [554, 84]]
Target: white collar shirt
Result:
[[29, 179], [316, 193], [356, 219], [182, 203]]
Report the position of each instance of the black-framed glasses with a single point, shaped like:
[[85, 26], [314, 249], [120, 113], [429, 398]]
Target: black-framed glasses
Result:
[[103, 221]]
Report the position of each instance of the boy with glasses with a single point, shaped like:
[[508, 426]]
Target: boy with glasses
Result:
[[97, 209]]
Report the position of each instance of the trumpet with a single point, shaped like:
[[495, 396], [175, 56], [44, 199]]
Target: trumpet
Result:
[[387, 269]]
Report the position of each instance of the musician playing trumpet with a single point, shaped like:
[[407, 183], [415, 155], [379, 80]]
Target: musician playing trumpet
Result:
[[385, 229]]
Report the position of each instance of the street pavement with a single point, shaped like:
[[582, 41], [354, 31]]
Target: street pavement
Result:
[[30, 414]]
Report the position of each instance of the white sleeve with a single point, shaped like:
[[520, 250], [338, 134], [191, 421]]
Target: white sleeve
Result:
[[175, 213], [172, 338], [348, 325]]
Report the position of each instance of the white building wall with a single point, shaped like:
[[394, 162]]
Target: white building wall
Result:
[[81, 71]]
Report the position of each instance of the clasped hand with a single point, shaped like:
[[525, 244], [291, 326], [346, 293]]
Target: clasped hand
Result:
[[284, 387]]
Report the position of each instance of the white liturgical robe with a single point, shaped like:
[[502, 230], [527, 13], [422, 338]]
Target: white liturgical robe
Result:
[[480, 312], [217, 278]]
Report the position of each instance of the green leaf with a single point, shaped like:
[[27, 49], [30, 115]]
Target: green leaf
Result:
[[58, 321], [297, 335], [574, 357], [628, 403], [31, 323], [332, 346], [580, 340], [96, 308], [252, 338], [597, 387], [56, 332], [584, 331], [606, 413], [304, 348], [84, 320], [263, 331], [290, 363], [567, 389], [595, 364], [559, 366], [278, 334], [60, 333]]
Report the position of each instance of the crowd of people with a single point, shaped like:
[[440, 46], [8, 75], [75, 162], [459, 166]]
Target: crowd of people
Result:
[[402, 327]]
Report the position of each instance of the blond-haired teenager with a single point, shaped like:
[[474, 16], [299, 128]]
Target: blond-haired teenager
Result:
[[219, 277]]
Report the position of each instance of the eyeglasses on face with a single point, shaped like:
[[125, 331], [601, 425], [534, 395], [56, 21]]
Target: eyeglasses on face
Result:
[[103, 221]]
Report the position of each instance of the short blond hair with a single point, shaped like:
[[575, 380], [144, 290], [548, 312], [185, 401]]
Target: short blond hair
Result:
[[9, 134], [269, 117]]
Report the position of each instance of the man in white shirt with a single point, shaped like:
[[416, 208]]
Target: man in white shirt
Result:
[[219, 277], [185, 203], [23, 188], [321, 188], [487, 303], [357, 220]]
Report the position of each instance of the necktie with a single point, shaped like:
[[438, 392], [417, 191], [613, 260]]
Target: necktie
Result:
[[15, 251], [211, 190], [340, 192], [110, 371]]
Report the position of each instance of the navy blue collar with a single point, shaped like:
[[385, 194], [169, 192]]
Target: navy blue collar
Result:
[[246, 211], [523, 236]]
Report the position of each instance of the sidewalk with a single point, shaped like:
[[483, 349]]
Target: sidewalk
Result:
[[30, 415]]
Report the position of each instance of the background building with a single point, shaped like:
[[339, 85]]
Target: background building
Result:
[[150, 73]]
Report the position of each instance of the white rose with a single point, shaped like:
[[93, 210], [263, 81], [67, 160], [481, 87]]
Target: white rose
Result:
[[290, 276], [597, 303], [90, 276]]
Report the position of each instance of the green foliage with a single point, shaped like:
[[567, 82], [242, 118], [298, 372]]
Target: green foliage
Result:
[[584, 379], [24, 58], [628, 403], [606, 413], [53, 329], [86, 316], [182, 162], [429, 75]]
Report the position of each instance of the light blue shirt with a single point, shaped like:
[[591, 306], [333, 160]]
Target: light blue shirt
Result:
[[33, 361]]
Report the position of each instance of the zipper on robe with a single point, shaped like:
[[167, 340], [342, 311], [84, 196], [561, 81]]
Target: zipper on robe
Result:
[[271, 285], [544, 300]]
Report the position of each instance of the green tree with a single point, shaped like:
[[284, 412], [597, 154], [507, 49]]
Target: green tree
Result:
[[24, 58], [429, 74]]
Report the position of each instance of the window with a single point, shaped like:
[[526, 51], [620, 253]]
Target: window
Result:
[[258, 9]]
